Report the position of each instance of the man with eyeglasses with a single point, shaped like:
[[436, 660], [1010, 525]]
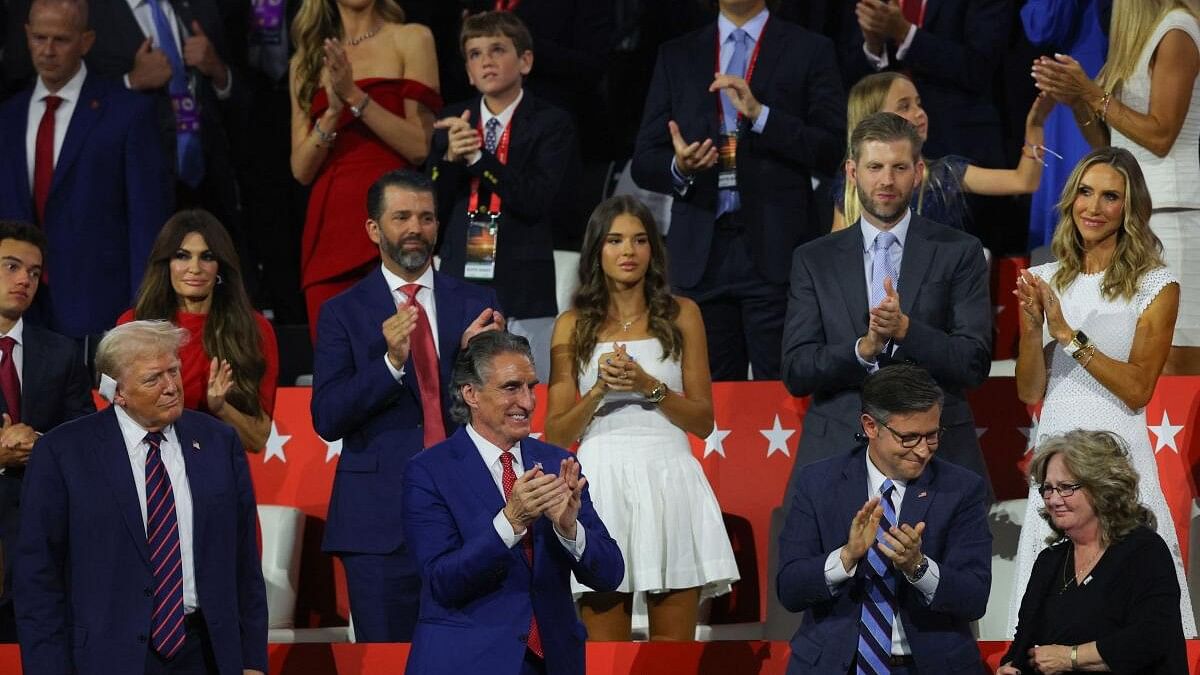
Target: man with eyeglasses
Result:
[[887, 549]]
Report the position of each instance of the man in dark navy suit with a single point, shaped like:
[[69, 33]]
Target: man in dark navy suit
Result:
[[138, 550], [49, 386], [381, 370], [774, 115]]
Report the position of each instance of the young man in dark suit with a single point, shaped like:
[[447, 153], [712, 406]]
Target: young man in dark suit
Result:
[[381, 370], [887, 549], [82, 160], [890, 288], [775, 114], [43, 383], [503, 164]]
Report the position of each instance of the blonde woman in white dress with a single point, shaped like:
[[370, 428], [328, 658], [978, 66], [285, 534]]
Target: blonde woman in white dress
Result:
[[629, 380], [1145, 100], [1095, 330]]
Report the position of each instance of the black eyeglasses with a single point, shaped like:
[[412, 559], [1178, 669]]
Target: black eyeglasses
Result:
[[1063, 489], [932, 439]]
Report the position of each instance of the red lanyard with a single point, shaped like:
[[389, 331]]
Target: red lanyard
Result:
[[501, 155], [507, 5], [749, 69]]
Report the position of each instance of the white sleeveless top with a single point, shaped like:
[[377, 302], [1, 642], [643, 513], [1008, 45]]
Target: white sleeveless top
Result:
[[1174, 180]]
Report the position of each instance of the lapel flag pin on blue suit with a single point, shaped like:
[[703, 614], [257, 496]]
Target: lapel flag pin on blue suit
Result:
[[195, 446], [922, 495]]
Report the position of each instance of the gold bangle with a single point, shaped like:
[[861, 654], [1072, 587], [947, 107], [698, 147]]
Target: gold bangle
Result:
[[1084, 356], [1075, 657]]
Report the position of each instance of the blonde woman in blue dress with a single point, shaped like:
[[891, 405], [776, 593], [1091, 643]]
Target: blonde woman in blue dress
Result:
[[629, 380]]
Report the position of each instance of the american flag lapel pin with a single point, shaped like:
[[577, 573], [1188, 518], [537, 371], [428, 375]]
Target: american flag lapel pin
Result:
[[195, 446], [922, 495]]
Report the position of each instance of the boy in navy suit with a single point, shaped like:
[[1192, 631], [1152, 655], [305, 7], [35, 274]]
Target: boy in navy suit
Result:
[[499, 162]]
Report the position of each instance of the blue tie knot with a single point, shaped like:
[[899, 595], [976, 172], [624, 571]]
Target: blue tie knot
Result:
[[740, 38], [155, 438], [886, 487], [884, 241]]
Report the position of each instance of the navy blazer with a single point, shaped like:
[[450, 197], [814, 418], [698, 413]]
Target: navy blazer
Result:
[[476, 593], [83, 580], [796, 75], [543, 163], [54, 389], [355, 398], [944, 291], [954, 58], [110, 194], [950, 501]]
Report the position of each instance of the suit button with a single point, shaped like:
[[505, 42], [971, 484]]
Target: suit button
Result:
[[142, 639]]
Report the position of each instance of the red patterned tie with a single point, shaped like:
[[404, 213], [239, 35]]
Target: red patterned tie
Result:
[[10, 384], [425, 359], [43, 158], [914, 11], [162, 535], [509, 478]]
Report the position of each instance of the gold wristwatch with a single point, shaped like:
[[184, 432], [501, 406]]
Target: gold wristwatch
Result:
[[658, 393], [1075, 347]]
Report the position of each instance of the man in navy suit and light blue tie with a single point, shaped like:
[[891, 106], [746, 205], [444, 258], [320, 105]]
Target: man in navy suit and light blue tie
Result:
[[498, 522], [383, 356], [887, 550], [138, 549]]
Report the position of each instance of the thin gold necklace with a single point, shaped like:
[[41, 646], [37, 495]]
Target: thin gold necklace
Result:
[[627, 324], [365, 36], [1069, 568]]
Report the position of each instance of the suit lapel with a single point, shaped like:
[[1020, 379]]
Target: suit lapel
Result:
[[848, 269], [195, 465], [769, 53], [705, 64], [32, 387], [917, 257], [88, 110], [14, 144], [918, 495], [476, 477], [114, 462]]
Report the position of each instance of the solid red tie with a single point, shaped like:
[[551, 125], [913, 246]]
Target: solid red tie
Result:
[[43, 158], [10, 384], [914, 11], [509, 478], [425, 359]]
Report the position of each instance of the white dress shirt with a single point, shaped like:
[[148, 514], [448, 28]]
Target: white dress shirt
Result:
[[505, 116], [69, 93], [172, 458], [836, 575], [490, 454], [145, 20], [424, 296], [869, 233]]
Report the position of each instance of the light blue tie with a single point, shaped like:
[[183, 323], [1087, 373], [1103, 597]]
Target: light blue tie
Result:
[[879, 608], [882, 266], [491, 135], [729, 200], [189, 156]]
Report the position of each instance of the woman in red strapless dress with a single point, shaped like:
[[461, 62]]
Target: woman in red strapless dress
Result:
[[347, 132]]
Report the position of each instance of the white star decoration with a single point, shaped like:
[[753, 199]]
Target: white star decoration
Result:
[[777, 438], [275, 444], [332, 449], [1165, 432], [1031, 433], [715, 441]]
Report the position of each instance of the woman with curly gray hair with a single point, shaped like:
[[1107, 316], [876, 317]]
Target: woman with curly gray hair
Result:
[[1103, 596]]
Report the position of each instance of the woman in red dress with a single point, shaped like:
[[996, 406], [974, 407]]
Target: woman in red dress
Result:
[[364, 95], [231, 362]]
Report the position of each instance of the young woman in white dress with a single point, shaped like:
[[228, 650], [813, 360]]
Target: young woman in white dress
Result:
[[1096, 327], [629, 380]]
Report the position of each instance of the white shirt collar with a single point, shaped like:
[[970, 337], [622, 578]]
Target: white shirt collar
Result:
[[69, 91], [753, 27], [505, 116], [17, 332], [394, 281], [900, 229], [490, 451], [134, 433], [876, 478]]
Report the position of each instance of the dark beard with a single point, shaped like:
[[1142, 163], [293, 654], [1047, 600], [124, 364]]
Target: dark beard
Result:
[[409, 261], [864, 201]]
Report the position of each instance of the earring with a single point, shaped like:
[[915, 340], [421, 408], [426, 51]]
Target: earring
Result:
[[220, 280]]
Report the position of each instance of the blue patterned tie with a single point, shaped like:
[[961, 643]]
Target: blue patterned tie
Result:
[[491, 136], [162, 536], [189, 156], [729, 201], [879, 607], [882, 266]]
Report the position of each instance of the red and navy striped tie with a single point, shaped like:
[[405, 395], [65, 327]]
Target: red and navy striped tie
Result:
[[879, 607], [162, 535]]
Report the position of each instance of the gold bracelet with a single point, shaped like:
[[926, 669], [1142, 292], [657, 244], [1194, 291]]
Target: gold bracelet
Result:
[[1075, 657], [1084, 356]]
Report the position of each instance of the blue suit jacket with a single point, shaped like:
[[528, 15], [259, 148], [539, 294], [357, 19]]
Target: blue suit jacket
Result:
[[950, 500], [476, 593], [110, 194], [355, 398], [83, 579], [796, 75]]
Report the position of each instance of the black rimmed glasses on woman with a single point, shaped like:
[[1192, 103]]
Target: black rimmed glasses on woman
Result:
[[1063, 489]]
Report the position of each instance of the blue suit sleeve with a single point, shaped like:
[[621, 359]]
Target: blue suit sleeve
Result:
[[77, 392], [800, 581], [149, 198], [40, 566], [252, 593], [966, 563], [601, 568]]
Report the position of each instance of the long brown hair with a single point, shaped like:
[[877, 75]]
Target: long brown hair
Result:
[[591, 300], [315, 21], [1138, 248], [230, 331]]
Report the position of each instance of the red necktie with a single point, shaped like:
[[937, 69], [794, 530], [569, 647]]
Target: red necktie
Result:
[[43, 158], [425, 359], [10, 385], [914, 11], [509, 478]]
